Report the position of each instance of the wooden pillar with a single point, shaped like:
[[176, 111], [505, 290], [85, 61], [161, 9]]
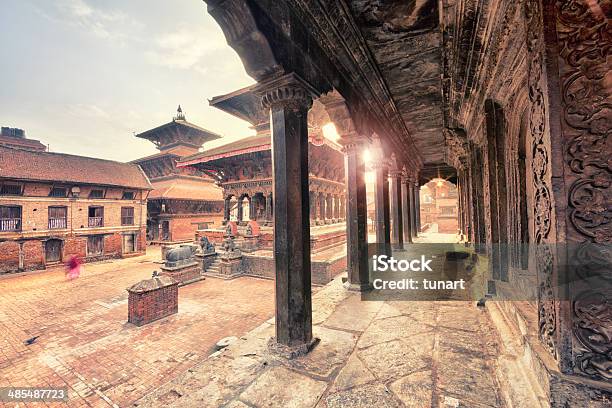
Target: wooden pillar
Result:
[[395, 174], [336, 207], [313, 206], [322, 212], [356, 213], [328, 208], [406, 214], [289, 98], [412, 207], [381, 202], [226, 208], [269, 207], [417, 205], [240, 208]]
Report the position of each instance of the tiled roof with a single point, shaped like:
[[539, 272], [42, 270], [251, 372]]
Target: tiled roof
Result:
[[67, 168], [186, 189], [251, 143]]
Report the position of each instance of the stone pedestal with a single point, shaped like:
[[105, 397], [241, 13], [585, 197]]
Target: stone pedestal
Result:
[[184, 274], [152, 299], [229, 268], [205, 260], [250, 243]]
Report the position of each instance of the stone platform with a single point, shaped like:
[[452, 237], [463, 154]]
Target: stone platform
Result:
[[371, 354]]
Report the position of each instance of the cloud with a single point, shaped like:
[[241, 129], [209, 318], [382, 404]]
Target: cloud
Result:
[[86, 111], [106, 24], [186, 48]]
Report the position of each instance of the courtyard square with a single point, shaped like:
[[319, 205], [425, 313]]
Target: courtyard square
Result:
[[86, 344]]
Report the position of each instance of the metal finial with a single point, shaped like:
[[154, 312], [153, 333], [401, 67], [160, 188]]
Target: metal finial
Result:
[[179, 114]]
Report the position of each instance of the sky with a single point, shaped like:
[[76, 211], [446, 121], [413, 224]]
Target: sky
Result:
[[83, 76]]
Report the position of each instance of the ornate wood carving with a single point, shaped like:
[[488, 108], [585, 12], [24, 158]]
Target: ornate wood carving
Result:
[[584, 43], [540, 151]]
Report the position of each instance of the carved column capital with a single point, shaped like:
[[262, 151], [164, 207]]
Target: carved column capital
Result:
[[288, 91], [352, 142]]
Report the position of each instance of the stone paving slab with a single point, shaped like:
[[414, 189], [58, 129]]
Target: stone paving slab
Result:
[[401, 356]]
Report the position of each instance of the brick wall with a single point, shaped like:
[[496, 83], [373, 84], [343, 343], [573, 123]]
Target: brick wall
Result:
[[9, 256], [152, 305], [35, 226], [184, 228], [33, 255]]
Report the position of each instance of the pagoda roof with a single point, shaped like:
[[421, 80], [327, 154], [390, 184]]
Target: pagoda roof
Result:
[[179, 132]]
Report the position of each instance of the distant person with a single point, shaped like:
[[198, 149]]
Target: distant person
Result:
[[73, 267]]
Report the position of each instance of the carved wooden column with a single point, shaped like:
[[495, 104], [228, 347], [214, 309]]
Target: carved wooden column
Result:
[[417, 205], [289, 98], [239, 215], [269, 207], [329, 208], [406, 215], [336, 207], [313, 207], [322, 211], [381, 202], [226, 209], [412, 206], [395, 174], [355, 210]]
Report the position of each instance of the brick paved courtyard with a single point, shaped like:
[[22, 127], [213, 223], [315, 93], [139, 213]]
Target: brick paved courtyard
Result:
[[85, 343]]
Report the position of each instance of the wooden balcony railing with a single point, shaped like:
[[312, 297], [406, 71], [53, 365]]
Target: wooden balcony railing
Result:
[[10, 224], [96, 222], [57, 223]]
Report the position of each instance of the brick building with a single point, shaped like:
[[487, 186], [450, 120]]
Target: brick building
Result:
[[183, 200], [15, 137], [53, 206], [440, 206]]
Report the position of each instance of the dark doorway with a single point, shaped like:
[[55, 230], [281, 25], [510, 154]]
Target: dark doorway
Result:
[[53, 250], [165, 230]]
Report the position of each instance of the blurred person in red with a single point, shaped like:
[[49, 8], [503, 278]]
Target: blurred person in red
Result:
[[73, 267]]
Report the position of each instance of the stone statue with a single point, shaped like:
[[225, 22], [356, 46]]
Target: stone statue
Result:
[[206, 246], [180, 256], [230, 249]]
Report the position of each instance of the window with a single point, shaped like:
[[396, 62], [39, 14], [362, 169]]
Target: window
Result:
[[127, 215], [129, 243], [10, 218], [96, 217], [447, 210], [95, 245], [96, 194], [10, 189], [58, 217], [128, 195], [58, 192]]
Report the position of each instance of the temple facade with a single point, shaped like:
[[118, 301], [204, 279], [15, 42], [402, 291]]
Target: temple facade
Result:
[[183, 200], [243, 169]]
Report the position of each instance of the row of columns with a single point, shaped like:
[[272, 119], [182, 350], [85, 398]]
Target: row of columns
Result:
[[288, 99], [326, 208], [396, 200], [256, 203]]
